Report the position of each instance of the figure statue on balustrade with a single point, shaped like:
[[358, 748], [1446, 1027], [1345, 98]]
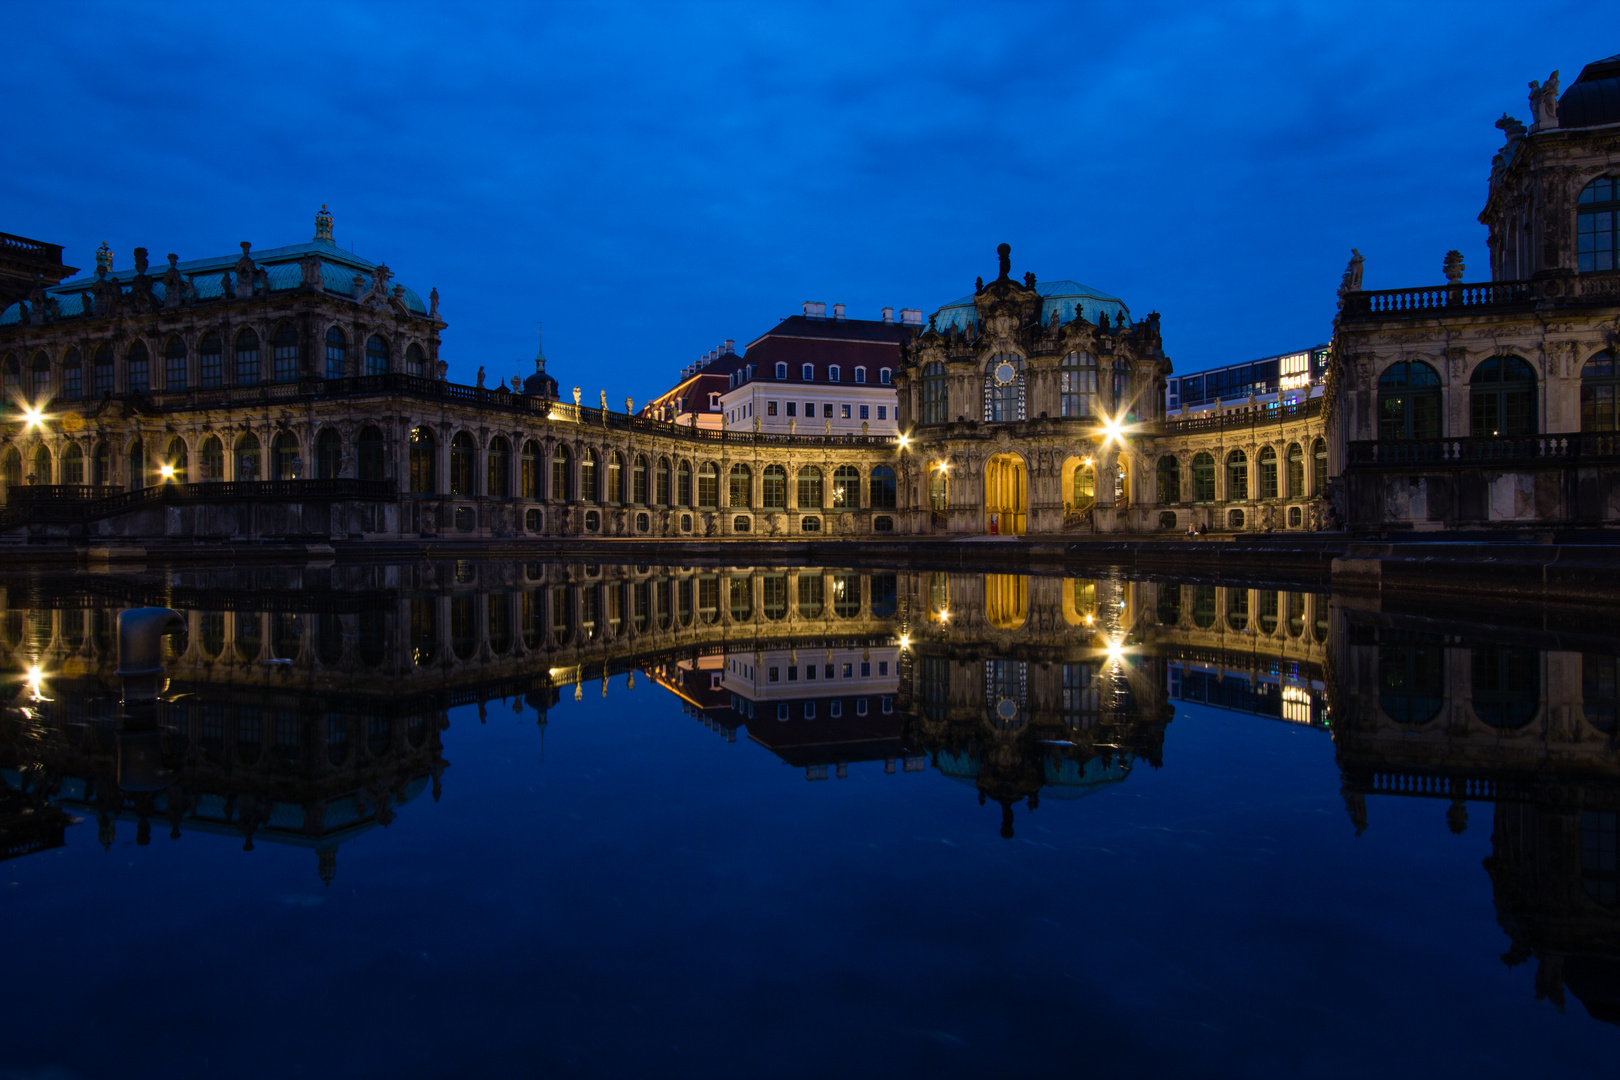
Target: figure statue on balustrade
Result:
[[1544, 103]]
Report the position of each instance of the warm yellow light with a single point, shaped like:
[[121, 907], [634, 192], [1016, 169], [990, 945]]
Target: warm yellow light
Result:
[[166, 471], [1113, 430], [905, 441], [1085, 461], [1115, 649], [944, 614], [943, 466], [36, 683], [905, 641], [33, 417]]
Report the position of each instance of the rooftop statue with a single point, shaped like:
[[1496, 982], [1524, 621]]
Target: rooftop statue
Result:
[[1005, 252], [1544, 103]]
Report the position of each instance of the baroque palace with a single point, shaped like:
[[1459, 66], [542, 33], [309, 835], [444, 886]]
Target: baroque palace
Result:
[[298, 393]]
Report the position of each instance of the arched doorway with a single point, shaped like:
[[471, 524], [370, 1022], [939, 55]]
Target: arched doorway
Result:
[[1006, 495]]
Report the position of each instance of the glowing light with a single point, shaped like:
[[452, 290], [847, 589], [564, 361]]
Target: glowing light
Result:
[[905, 641], [1090, 619], [33, 417], [1113, 430], [36, 683], [166, 471], [944, 614], [1115, 650], [905, 441], [942, 466]]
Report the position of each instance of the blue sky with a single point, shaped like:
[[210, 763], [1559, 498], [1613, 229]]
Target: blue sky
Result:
[[653, 179]]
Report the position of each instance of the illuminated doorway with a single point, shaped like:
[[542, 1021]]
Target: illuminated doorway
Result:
[[1006, 495]]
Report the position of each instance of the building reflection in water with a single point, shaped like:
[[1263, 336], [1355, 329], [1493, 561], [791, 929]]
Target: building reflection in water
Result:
[[307, 705]]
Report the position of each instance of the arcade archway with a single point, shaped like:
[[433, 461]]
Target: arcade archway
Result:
[[1006, 495]]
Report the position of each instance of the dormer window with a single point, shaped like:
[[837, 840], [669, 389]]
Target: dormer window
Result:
[[808, 373], [860, 375], [714, 402], [832, 373], [885, 376], [781, 371]]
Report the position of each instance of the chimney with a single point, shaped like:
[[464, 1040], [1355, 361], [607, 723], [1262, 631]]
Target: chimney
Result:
[[838, 311], [888, 315], [714, 354], [910, 317], [731, 346], [815, 309]]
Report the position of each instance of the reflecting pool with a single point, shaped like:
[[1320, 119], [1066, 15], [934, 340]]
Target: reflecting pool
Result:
[[474, 818]]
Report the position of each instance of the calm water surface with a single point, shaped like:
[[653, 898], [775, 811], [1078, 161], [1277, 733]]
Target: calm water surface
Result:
[[462, 819]]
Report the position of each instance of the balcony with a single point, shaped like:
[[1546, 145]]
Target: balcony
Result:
[[1568, 449], [1495, 297]]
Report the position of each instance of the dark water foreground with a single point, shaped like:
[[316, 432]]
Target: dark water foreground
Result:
[[477, 818]]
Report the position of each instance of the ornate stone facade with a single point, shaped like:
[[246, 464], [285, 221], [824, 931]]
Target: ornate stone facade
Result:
[[1493, 404]]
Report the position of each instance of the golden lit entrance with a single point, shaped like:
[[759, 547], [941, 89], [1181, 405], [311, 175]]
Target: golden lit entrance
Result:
[[1006, 495]]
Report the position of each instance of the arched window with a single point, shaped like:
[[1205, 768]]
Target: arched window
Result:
[[588, 491], [285, 461], [1124, 392], [336, 353], [1083, 485], [1122, 483], [810, 488], [73, 464], [210, 362], [1203, 477], [1506, 685], [463, 453], [247, 457], [935, 404], [424, 452], [101, 466], [1409, 401], [1600, 391], [562, 480], [683, 485], [1169, 480], [10, 379], [638, 481], [846, 488], [939, 490], [372, 461], [176, 465], [1268, 473], [885, 376], [138, 368], [1237, 476], [708, 485], [376, 356], [529, 471], [211, 460], [42, 463], [104, 369], [781, 371], [284, 354], [1597, 225], [499, 469], [247, 358], [1296, 471], [42, 378], [740, 486], [72, 375], [615, 485], [1411, 682], [1502, 397], [1004, 388], [883, 489], [11, 467], [1319, 467], [860, 374], [174, 364], [662, 488], [328, 455], [137, 465], [773, 488], [832, 372], [1077, 386], [415, 362]]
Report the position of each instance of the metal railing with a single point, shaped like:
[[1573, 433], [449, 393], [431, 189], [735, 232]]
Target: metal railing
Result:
[[1505, 449], [499, 399], [1242, 416]]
